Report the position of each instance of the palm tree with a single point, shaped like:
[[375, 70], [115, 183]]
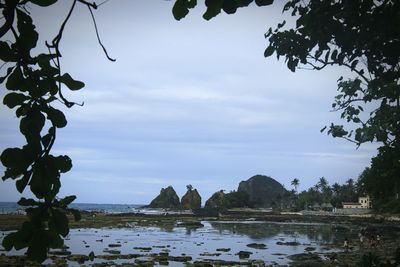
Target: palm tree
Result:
[[322, 183], [295, 183]]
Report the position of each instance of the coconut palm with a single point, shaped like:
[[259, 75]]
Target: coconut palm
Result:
[[295, 182]]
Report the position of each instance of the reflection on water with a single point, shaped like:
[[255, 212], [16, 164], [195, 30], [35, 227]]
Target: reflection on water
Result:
[[205, 242], [321, 233]]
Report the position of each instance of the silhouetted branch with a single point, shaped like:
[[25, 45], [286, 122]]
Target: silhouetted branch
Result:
[[98, 37]]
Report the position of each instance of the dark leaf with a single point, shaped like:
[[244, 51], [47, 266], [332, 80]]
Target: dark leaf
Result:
[[71, 83], [27, 202], [63, 163], [334, 55], [229, 6], [269, 51], [54, 238], [57, 117], [11, 157], [12, 100], [9, 240], [40, 183], [213, 8], [6, 54], [43, 2], [180, 10], [31, 126], [354, 64], [37, 249], [76, 213], [21, 183], [60, 222], [264, 2], [28, 36], [15, 80], [323, 129], [67, 200]]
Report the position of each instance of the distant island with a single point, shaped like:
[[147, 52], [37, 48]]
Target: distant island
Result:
[[259, 191]]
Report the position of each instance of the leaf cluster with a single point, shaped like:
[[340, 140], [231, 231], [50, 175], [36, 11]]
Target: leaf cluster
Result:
[[214, 7], [34, 84]]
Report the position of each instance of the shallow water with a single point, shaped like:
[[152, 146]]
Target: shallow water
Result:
[[202, 243]]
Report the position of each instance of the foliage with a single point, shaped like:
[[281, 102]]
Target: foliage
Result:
[[362, 36], [295, 182], [35, 83], [322, 192], [381, 180], [237, 199]]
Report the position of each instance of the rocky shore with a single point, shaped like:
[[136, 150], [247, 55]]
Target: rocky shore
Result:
[[387, 250]]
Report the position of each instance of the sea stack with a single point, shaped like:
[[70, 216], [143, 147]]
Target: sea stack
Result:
[[167, 199], [192, 199], [216, 200], [262, 190]]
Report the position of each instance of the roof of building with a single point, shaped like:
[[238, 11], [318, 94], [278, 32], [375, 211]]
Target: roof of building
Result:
[[351, 203]]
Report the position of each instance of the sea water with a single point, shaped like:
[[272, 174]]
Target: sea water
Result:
[[202, 243]]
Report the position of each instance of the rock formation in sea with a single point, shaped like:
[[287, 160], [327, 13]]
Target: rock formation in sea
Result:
[[216, 200], [167, 199], [192, 199], [262, 190]]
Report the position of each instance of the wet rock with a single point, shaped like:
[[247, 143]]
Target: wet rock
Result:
[[290, 243], [60, 252], [114, 245], [180, 258], [209, 254], [257, 246], [309, 248], [111, 251], [244, 254], [192, 199], [78, 258], [166, 199], [224, 249], [144, 262], [143, 248]]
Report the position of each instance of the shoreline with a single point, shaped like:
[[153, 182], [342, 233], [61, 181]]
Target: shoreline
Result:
[[386, 250]]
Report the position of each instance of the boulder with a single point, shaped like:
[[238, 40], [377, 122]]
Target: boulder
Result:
[[216, 200], [262, 190], [167, 199], [191, 200]]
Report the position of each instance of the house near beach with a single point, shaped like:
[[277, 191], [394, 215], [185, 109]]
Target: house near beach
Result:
[[363, 203]]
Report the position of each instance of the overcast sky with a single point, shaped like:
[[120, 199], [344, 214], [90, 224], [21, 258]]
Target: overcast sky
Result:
[[188, 102]]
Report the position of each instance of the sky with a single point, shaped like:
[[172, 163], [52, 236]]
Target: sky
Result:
[[186, 102]]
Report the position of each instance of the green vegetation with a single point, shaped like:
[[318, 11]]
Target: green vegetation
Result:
[[322, 192]]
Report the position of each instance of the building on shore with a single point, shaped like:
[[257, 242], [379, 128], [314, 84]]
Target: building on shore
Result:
[[363, 203]]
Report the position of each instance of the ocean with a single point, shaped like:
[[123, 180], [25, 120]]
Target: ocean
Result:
[[14, 208]]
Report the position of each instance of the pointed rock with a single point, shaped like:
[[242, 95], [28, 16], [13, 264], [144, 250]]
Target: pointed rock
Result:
[[191, 200], [167, 199]]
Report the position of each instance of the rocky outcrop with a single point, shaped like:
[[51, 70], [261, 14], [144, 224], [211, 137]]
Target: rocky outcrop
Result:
[[262, 190], [216, 200], [167, 199], [191, 200]]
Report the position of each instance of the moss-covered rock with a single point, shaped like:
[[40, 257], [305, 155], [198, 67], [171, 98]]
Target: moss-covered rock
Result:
[[216, 200], [192, 199], [167, 199]]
